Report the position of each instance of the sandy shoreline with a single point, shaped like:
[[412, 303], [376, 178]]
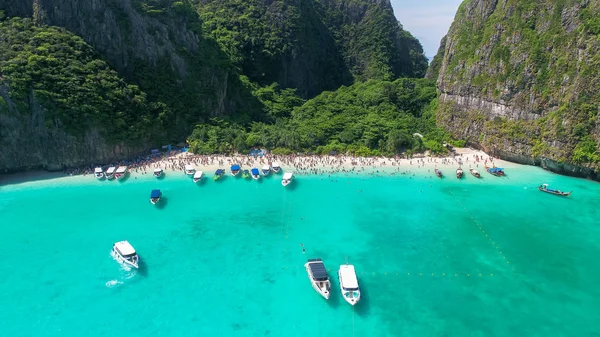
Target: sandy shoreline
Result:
[[300, 165]]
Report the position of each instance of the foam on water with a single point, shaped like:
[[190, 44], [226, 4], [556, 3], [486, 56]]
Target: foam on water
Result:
[[476, 257]]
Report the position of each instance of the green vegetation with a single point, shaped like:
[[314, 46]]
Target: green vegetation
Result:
[[60, 72], [371, 118]]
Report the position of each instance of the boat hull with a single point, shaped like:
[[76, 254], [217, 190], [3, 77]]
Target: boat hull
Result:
[[154, 201], [158, 175], [323, 292], [256, 177], [100, 176], [276, 170], [125, 261], [284, 183]]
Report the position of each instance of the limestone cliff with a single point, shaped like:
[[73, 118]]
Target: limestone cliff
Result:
[[520, 79]]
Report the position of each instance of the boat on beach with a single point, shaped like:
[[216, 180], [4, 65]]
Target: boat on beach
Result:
[[475, 173], [189, 170], [544, 188], [246, 174], [495, 171], [266, 170], [124, 253], [235, 170], [287, 178], [198, 176], [99, 173], [158, 173], [276, 167], [110, 173], [155, 196], [317, 274], [459, 173], [349, 284], [438, 173], [218, 174], [121, 172], [255, 173]]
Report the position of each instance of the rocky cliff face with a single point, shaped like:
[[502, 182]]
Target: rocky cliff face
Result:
[[519, 79]]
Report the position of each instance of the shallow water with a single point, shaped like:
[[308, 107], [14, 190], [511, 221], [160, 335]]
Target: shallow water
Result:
[[435, 257]]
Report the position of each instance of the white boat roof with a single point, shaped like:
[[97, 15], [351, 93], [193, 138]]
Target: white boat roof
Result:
[[348, 276], [288, 175], [198, 174], [158, 170], [98, 170], [189, 168], [122, 169], [111, 169], [266, 167], [276, 164], [125, 247]]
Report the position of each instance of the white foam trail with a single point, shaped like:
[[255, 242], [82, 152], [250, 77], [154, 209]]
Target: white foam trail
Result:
[[113, 283]]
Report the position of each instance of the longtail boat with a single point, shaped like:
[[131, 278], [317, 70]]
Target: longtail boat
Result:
[[475, 173], [544, 188], [495, 171], [438, 173], [459, 173]]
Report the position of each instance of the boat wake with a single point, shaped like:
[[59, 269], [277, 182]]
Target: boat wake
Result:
[[113, 283]]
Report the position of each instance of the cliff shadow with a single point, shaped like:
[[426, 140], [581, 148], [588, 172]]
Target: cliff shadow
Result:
[[29, 176]]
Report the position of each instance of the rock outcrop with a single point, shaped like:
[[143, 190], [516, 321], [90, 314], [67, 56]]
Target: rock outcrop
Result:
[[520, 79]]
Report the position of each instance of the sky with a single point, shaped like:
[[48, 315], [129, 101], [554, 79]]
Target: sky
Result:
[[427, 20]]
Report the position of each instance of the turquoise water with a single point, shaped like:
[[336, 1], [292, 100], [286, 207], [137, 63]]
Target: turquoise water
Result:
[[435, 257]]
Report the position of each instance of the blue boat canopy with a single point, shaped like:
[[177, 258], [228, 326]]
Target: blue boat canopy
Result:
[[495, 169], [219, 171], [155, 194], [235, 167], [255, 171]]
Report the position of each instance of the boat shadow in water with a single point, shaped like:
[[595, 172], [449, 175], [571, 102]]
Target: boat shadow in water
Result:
[[363, 307], [142, 268], [162, 203], [201, 182]]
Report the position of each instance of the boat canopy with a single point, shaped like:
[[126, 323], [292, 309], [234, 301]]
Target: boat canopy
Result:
[[98, 170], [155, 194], [122, 169], [189, 168], [288, 175], [111, 170], [235, 167], [255, 171], [219, 171], [198, 174], [157, 170], [495, 169], [266, 168], [348, 277], [318, 270], [125, 248], [276, 164]]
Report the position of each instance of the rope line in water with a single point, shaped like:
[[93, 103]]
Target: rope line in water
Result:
[[418, 274], [492, 242]]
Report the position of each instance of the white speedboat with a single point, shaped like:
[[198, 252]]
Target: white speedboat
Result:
[[349, 284], [266, 170], [155, 196], [124, 253], [198, 176], [158, 173], [287, 178], [317, 273], [276, 167], [121, 172], [98, 173], [189, 170], [255, 173], [235, 170], [110, 173]]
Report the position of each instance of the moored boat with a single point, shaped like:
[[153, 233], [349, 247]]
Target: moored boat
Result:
[[198, 176], [155, 196], [266, 170], [255, 173], [235, 170], [349, 284], [276, 167], [246, 174], [544, 188], [110, 173], [438, 173], [98, 173], [459, 173], [124, 253], [121, 172], [495, 171], [475, 173], [317, 273], [189, 170], [287, 178], [158, 173], [218, 174]]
